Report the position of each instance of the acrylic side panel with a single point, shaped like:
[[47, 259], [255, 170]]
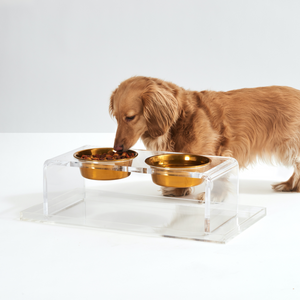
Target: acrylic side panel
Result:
[[221, 198], [63, 186]]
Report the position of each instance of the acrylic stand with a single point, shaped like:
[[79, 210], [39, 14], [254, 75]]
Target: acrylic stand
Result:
[[135, 204]]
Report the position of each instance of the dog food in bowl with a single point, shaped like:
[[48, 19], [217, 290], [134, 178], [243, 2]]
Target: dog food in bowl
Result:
[[110, 155], [100, 163]]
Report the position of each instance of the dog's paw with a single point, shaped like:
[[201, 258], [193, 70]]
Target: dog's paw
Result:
[[201, 197], [176, 192], [282, 187]]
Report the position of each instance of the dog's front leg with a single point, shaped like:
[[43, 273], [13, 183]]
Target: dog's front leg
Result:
[[176, 192], [220, 188]]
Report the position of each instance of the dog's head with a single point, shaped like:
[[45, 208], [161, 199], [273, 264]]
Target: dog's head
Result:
[[141, 105]]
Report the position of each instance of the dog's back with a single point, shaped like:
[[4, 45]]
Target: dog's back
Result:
[[259, 122]]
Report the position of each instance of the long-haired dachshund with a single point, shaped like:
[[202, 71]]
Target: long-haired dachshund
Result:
[[246, 124]]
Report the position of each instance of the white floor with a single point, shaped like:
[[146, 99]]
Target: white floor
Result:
[[40, 261]]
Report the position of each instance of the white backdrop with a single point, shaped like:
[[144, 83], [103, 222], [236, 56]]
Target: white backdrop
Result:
[[59, 62], [61, 59]]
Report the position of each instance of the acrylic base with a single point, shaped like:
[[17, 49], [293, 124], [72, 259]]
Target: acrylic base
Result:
[[156, 216]]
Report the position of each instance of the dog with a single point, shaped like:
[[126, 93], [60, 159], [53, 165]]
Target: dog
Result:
[[246, 124]]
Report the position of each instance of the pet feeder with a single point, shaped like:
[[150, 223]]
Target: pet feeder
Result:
[[135, 204]]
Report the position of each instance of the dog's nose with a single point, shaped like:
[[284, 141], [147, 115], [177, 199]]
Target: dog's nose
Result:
[[118, 147]]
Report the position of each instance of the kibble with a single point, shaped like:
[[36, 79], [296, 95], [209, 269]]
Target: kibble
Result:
[[111, 155]]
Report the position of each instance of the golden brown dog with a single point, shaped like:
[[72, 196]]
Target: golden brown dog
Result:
[[246, 124]]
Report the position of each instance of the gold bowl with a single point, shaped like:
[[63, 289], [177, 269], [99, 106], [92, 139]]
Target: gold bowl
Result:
[[103, 170], [171, 170]]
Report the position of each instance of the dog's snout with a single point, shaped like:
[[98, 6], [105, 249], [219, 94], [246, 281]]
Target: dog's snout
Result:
[[118, 147]]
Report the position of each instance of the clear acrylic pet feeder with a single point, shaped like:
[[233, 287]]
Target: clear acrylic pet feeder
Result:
[[136, 205]]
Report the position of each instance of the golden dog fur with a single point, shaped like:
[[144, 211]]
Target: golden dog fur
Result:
[[247, 124]]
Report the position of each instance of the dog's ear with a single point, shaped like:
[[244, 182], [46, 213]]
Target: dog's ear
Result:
[[160, 109], [111, 103]]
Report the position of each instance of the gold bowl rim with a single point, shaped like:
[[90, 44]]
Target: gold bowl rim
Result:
[[179, 168], [103, 161]]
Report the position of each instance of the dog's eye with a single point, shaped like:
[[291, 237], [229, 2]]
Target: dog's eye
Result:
[[129, 118]]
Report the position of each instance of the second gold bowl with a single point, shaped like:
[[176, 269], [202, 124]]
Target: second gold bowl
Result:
[[171, 170]]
